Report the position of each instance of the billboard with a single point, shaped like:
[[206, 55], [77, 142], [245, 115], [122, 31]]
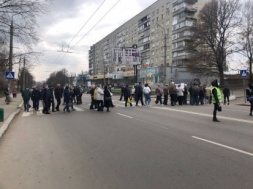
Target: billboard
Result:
[[126, 56]]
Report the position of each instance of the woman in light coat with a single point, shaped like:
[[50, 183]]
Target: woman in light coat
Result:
[[180, 94]]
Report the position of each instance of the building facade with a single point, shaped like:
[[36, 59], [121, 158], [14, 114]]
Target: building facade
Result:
[[160, 33]]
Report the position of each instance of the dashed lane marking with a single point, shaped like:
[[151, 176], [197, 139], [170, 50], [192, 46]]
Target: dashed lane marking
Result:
[[125, 115]]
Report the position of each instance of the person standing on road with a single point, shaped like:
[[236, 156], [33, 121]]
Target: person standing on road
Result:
[[122, 92], [107, 98], [139, 94], [66, 99], [99, 93], [93, 104], [165, 94], [52, 99], [216, 99], [127, 96], [46, 96], [226, 94], [180, 94], [158, 92], [36, 98], [173, 93], [58, 95], [249, 96], [146, 91], [26, 95], [185, 94]]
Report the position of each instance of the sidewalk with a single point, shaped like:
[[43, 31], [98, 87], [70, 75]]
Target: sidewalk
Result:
[[10, 111]]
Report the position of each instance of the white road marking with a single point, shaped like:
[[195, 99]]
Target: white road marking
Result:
[[25, 114], [207, 115], [125, 115], [78, 109], [152, 124], [224, 146]]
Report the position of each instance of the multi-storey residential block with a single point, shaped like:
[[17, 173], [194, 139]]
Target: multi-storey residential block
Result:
[[160, 32]]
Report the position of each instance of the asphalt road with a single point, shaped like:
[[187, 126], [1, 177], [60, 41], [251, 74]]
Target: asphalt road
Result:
[[157, 147]]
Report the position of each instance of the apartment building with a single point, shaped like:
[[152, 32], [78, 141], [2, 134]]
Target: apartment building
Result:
[[160, 33]]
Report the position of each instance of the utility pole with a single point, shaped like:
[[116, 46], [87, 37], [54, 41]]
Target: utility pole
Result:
[[23, 87], [82, 79], [24, 76], [11, 45]]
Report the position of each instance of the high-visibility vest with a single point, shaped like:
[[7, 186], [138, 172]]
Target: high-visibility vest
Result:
[[218, 94]]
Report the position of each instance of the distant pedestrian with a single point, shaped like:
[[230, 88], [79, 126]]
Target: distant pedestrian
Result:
[[99, 96], [122, 92], [185, 94], [216, 99], [165, 94], [226, 94], [93, 104], [58, 92], [46, 96], [133, 93], [139, 94], [36, 97], [51, 104], [14, 92], [107, 98], [127, 96], [146, 91], [66, 99], [173, 93], [158, 92], [249, 96], [180, 94], [26, 95]]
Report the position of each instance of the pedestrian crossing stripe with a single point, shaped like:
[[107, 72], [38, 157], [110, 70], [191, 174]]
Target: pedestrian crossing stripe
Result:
[[40, 113]]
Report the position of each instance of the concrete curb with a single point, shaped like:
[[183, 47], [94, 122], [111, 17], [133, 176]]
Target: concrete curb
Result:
[[7, 123]]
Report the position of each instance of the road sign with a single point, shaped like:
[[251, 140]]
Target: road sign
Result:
[[9, 75], [243, 74]]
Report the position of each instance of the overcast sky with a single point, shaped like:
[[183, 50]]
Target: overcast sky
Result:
[[58, 28]]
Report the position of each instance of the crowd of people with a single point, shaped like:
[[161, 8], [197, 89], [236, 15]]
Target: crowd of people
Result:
[[48, 95], [102, 97]]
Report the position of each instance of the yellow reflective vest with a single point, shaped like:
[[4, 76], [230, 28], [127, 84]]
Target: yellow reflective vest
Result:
[[218, 94]]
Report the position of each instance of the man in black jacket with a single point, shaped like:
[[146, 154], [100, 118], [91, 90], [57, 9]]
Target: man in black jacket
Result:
[[58, 95], [36, 98], [46, 96], [226, 94], [139, 94]]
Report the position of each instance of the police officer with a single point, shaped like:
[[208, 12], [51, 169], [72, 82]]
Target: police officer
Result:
[[216, 99]]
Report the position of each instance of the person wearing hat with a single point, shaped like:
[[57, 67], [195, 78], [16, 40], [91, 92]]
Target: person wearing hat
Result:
[[216, 99]]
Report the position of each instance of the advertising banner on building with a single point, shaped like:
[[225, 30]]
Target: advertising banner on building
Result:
[[126, 56]]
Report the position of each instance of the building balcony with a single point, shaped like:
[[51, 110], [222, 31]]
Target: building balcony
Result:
[[186, 9], [183, 57], [176, 2]]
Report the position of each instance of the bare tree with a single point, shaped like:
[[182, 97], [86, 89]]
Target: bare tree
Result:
[[23, 14], [246, 34], [213, 38]]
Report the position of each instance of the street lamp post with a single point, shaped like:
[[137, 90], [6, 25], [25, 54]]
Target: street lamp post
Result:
[[11, 45], [165, 53]]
